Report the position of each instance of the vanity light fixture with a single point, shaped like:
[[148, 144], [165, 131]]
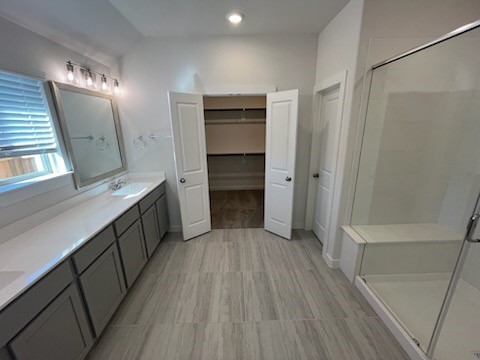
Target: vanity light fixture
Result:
[[91, 77], [235, 18], [116, 87], [104, 83], [70, 72]]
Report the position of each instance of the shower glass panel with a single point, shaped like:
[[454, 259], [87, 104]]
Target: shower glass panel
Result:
[[418, 179]]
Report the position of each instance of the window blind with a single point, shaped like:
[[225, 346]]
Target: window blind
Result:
[[25, 124]]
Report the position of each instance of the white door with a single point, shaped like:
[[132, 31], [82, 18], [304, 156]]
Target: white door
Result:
[[280, 152], [329, 128], [188, 126]]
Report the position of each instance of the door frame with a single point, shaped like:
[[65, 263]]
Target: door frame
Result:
[[338, 80]]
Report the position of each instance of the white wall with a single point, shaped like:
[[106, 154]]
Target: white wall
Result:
[[337, 51], [156, 66], [417, 112], [27, 52]]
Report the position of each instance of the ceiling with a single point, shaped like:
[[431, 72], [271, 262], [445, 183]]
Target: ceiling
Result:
[[94, 28], [106, 29], [208, 17]]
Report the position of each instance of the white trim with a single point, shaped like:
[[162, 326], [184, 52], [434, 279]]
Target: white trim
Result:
[[24, 71], [332, 263], [339, 80], [26, 189], [350, 231], [239, 90], [299, 225], [398, 332]]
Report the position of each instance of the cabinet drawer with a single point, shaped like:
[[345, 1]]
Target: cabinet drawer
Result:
[[27, 306], [132, 251], [59, 332], [103, 288], [126, 220], [150, 199], [93, 249]]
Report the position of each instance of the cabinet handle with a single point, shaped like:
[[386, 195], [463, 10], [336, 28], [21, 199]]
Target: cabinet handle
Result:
[[316, 175], [182, 180], [288, 178]]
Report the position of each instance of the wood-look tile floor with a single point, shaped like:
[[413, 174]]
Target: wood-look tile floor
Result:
[[244, 294]]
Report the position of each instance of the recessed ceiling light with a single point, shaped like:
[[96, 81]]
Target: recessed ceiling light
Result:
[[235, 18]]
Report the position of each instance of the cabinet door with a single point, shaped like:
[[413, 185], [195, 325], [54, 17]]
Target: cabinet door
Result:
[[103, 288], [132, 251], [4, 354], [59, 332], [151, 229], [162, 215]]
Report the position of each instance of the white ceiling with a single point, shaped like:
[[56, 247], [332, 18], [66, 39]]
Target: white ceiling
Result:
[[106, 29], [208, 17]]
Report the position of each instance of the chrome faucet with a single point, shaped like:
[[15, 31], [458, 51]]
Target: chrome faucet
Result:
[[117, 185]]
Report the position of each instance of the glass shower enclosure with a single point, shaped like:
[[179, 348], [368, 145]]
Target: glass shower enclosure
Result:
[[417, 189]]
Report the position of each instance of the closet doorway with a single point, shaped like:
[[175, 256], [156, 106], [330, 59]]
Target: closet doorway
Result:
[[274, 139], [235, 139]]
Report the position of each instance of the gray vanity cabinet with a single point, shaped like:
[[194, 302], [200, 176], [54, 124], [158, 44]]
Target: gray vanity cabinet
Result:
[[103, 287], [151, 229], [132, 250], [154, 217], [59, 332], [60, 316], [162, 215]]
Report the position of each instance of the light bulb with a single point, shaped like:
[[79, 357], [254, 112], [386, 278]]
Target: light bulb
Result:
[[89, 79], [70, 73], [116, 87], [235, 18], [104, 83]]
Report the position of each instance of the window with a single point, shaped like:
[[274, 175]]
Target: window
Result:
[[29, 147]]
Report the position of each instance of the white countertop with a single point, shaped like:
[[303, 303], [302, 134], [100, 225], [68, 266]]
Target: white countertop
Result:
[[29, 256]]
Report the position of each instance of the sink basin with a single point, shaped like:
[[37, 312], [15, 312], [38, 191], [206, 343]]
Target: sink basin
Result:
[[132, 189], [7, 277]]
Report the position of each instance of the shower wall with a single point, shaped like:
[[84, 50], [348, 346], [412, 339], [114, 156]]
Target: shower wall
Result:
[[420, 122]]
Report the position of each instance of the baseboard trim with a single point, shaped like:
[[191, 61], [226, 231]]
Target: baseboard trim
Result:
[[298, 226], [390, 322], [175, 229], [332, 263]]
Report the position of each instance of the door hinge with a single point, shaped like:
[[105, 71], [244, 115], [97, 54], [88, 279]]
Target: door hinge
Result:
[[472, 225]]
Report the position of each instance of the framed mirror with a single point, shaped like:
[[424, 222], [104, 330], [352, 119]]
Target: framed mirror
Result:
[[91, 130]]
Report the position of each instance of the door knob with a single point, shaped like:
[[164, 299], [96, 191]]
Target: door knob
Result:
[[316, 175], [182, 180], [288, 178]]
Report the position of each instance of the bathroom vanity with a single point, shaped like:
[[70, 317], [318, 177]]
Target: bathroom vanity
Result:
[[61, 281]]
